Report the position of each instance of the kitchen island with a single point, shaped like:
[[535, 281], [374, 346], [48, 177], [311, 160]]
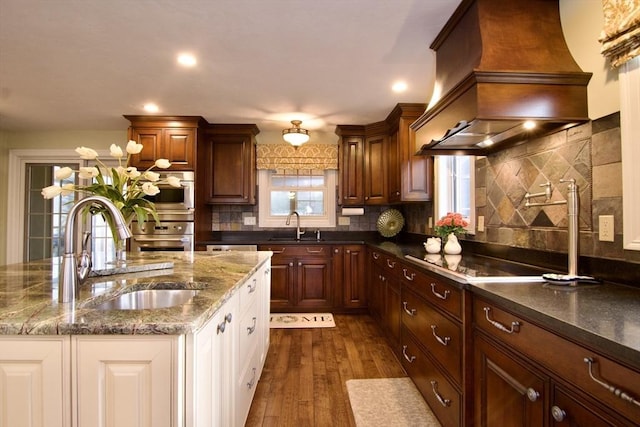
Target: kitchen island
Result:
[[74, 364]]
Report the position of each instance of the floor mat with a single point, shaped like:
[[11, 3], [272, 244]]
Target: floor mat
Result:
[[389, 402], [302, 320]]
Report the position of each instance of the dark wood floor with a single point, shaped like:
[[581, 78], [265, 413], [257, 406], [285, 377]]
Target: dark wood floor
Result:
[[303, 382]]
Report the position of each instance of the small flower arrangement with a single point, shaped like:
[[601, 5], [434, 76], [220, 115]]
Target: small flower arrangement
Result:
[[451, 223], [124, 185]]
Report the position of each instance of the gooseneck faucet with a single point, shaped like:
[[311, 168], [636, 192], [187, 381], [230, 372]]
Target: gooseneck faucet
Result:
[[298, 232], [73, 274]]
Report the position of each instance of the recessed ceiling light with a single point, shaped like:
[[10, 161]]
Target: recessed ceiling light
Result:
[[187, 60], [399, 87], [151, 108], [529, 124]]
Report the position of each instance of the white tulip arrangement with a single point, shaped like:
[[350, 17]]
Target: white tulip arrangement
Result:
[[124, 185]]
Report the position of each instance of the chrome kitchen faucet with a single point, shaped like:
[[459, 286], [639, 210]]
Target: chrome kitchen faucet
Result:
[[72, 274], [298, 232]]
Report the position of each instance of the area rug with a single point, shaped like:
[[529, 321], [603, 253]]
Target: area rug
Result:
[[389, 402], [302, 320]]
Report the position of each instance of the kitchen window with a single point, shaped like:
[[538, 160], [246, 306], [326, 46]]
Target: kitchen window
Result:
[[454, 187], [308, 192]]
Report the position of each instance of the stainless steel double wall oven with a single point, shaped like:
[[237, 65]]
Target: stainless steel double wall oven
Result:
[[175, 208]]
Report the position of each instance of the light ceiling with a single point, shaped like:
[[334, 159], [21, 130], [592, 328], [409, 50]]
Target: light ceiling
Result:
[[81, 65]]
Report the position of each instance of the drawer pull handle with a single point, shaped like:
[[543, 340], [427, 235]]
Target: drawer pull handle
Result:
[[409, 359], [410, 278], [251, 383], [532, 395], [391, 264], [411, 312], [558, 414], [319, 251], [444, 402], [252, 288], [444, 295], [615, 390], [251, 329], [278, 252], [375, 255], [442, 340], [515, 326]]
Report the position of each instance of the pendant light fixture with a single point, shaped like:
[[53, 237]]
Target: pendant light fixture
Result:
[[295, 135]]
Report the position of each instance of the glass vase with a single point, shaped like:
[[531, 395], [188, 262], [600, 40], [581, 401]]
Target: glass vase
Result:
[[121, 252]]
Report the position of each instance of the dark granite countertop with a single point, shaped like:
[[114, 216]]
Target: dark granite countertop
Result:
[[604, 316], [29, 293]]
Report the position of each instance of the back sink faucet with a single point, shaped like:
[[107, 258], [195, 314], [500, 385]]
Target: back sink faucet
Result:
[[298, 232]]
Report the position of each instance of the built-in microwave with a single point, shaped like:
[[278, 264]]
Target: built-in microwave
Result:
[[178, 201]]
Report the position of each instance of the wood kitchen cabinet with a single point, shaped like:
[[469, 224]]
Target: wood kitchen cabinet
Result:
[[410, 176], [166, 137], [350, 283], [527, 375], [301, 278], [384, 295], [363, 164], [378, 164], [351, 186], [228, 170]]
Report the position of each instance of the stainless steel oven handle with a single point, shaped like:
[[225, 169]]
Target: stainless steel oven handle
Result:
[[163, 239]]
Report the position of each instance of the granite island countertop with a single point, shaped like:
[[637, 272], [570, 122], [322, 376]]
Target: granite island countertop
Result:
[[29, 294], [606, 316]]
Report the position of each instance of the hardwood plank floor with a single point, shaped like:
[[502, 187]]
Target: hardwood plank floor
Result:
[[305, 373]]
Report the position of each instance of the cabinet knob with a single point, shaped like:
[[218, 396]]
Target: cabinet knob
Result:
[[290, 264], [348, 251], [299, 264], [532, 395], [335, 251], [558, 414], [366, 198]]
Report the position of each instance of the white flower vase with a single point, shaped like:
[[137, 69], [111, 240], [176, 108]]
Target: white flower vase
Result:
[[452, 247], [433, 245]]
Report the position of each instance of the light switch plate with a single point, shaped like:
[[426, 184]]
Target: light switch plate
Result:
[[344, 220], [249, 220], [605, 227], [480, 223]]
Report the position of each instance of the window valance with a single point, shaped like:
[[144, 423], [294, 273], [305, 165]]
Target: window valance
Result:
[[620, 36], [286, 157]]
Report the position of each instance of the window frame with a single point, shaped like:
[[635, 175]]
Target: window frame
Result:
[[442, 202], [265, 220]]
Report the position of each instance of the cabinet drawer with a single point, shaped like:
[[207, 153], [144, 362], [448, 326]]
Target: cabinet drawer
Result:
[[440, 335], [441, 396], [249, 332], [571, 362], [388, 263], [246, 388], [248, 293], [298, 250], [437, 292]]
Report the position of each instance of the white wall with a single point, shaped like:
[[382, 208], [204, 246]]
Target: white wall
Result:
[[582, 22]]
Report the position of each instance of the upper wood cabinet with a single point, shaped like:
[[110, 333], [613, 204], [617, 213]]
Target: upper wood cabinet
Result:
[[410, 176], [166, 137], [229, 164], [351, 187], [378, 164]]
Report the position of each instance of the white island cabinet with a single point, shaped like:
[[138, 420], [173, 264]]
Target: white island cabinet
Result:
[[201, 379]]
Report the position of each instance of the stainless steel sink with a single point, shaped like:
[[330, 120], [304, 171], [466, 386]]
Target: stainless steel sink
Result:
[[146, 299]]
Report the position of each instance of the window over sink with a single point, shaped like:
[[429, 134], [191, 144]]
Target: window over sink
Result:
[[310, 193]]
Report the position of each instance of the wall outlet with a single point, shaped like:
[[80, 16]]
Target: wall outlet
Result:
[[344, 220], [480, 223], [249, 220], [605, 227], [430, 223]]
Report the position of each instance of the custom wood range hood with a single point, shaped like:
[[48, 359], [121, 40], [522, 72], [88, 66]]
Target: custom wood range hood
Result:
[[499, 64]]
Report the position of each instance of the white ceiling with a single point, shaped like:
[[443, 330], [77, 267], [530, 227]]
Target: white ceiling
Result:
[[82, 64]]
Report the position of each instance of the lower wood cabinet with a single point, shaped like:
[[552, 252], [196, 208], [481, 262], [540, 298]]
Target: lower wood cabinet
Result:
[[527, 375], [349, 278], [301, 277]]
